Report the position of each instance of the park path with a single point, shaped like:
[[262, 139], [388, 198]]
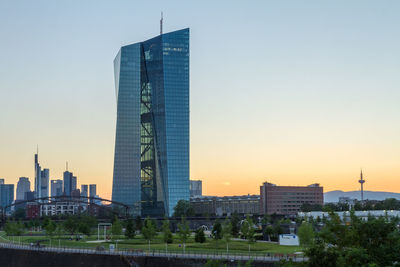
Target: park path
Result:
[[131, 253]]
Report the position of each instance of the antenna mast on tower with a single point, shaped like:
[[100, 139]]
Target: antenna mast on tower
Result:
[[362, 181], [161, 23]]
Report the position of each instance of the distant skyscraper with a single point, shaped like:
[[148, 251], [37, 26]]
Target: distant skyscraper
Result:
[[56, 188], [84, 190], [196, 188], [6, 195], [23, 186], [41, 179], [76, 193], [74, 183], [92, 190], [1, 180], [45, 176], [29, 195], [68, 183], [151, 161]]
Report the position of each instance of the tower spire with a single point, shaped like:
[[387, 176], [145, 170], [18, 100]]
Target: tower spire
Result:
[[66, 165], [362, 181], [161, 23]]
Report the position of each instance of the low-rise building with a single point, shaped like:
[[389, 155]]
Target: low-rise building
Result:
[[212, 205], [287, 200], [32, 210], [58, 208]]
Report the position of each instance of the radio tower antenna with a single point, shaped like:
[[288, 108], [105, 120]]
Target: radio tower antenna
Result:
[[161, 23], [362, 181]]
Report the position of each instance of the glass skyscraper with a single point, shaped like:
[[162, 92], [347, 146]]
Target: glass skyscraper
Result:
[[151, 161]]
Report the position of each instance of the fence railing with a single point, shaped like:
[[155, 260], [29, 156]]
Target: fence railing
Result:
[[234, 255]]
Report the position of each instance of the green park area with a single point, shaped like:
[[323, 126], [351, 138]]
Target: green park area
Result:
[[139, 243]]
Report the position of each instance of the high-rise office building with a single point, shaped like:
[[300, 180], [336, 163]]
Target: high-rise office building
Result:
[[196, 188], [67, 181], [73, 183], [23, 186], [76, 193], [84, 190], [92, 190], [1, 180], [41, 179], [151, 160], [56, 188], [6, 195]]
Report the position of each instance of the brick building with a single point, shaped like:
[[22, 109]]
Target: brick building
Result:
[[287, 200], [32, 210]]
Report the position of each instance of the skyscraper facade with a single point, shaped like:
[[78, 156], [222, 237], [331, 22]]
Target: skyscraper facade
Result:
[[196, 188], [84, 190], [68, 182], [56, 188], [151, 161], [6, 195], [23, 186], [41, 179], [73, 183], [92, 190]]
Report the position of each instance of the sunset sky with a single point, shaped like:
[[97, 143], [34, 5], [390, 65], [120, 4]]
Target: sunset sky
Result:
[[290, 92]]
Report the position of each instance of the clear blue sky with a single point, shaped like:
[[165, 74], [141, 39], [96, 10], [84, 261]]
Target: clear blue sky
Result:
[[290, 91]]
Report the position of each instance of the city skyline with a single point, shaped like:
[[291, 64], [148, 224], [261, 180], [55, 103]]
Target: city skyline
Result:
[[290, 93]]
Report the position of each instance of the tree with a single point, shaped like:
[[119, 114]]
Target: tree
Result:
[[50, 228], [183, 208], [86, 223], [59, 232], [84, 228], [138, 223], [217, 230], [215, 263], [355, 242], [235, 224], [19, 214], [200, 237], [184, 232], [268, 231], [227, 233], [148, 230], [71, 224], [166, 233], [266, 219], [307, 207], [116, 228], [130, 229], [306, 234], [277, 230], [13, 228], [247, 230]]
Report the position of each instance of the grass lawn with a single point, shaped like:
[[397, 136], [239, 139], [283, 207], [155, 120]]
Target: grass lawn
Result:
[[210, 246]]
